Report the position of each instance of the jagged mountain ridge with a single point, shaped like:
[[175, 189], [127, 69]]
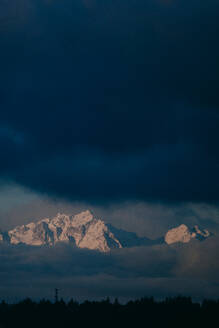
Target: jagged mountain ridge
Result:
[[84, 230]]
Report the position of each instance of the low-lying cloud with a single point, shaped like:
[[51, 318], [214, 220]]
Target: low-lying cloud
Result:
[[128, 273]]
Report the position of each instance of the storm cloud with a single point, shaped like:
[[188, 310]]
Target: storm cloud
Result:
[[110, 100], [110, 105]]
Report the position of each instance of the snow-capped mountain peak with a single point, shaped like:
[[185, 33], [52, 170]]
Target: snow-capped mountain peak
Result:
[[84, 230], [182, 234]]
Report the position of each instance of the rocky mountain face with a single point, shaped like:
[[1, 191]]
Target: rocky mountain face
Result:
[[182, 234], [84, 230]]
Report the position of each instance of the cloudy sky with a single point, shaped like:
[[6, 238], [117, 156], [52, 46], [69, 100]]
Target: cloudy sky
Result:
[[110, 105]]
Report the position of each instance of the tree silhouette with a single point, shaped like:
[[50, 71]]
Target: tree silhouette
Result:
[[145, 312]]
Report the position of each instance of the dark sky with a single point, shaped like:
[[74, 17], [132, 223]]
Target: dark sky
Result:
[[111, 105], [111, 100]]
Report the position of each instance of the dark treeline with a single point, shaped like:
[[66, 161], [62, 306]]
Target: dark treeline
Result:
[[146, 312]]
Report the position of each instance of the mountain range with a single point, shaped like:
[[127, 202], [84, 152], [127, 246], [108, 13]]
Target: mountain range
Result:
[[84, 230]]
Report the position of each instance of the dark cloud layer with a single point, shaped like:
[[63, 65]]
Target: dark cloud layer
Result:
[[110, 100], [128, 273]]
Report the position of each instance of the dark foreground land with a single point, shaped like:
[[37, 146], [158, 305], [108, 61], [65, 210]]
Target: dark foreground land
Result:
[[146, 312]]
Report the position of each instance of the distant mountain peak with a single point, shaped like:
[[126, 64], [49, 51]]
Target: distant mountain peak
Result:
[[84, 230], [182, 234]]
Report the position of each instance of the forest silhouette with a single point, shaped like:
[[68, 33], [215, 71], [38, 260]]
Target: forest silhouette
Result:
[[146, 312]]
